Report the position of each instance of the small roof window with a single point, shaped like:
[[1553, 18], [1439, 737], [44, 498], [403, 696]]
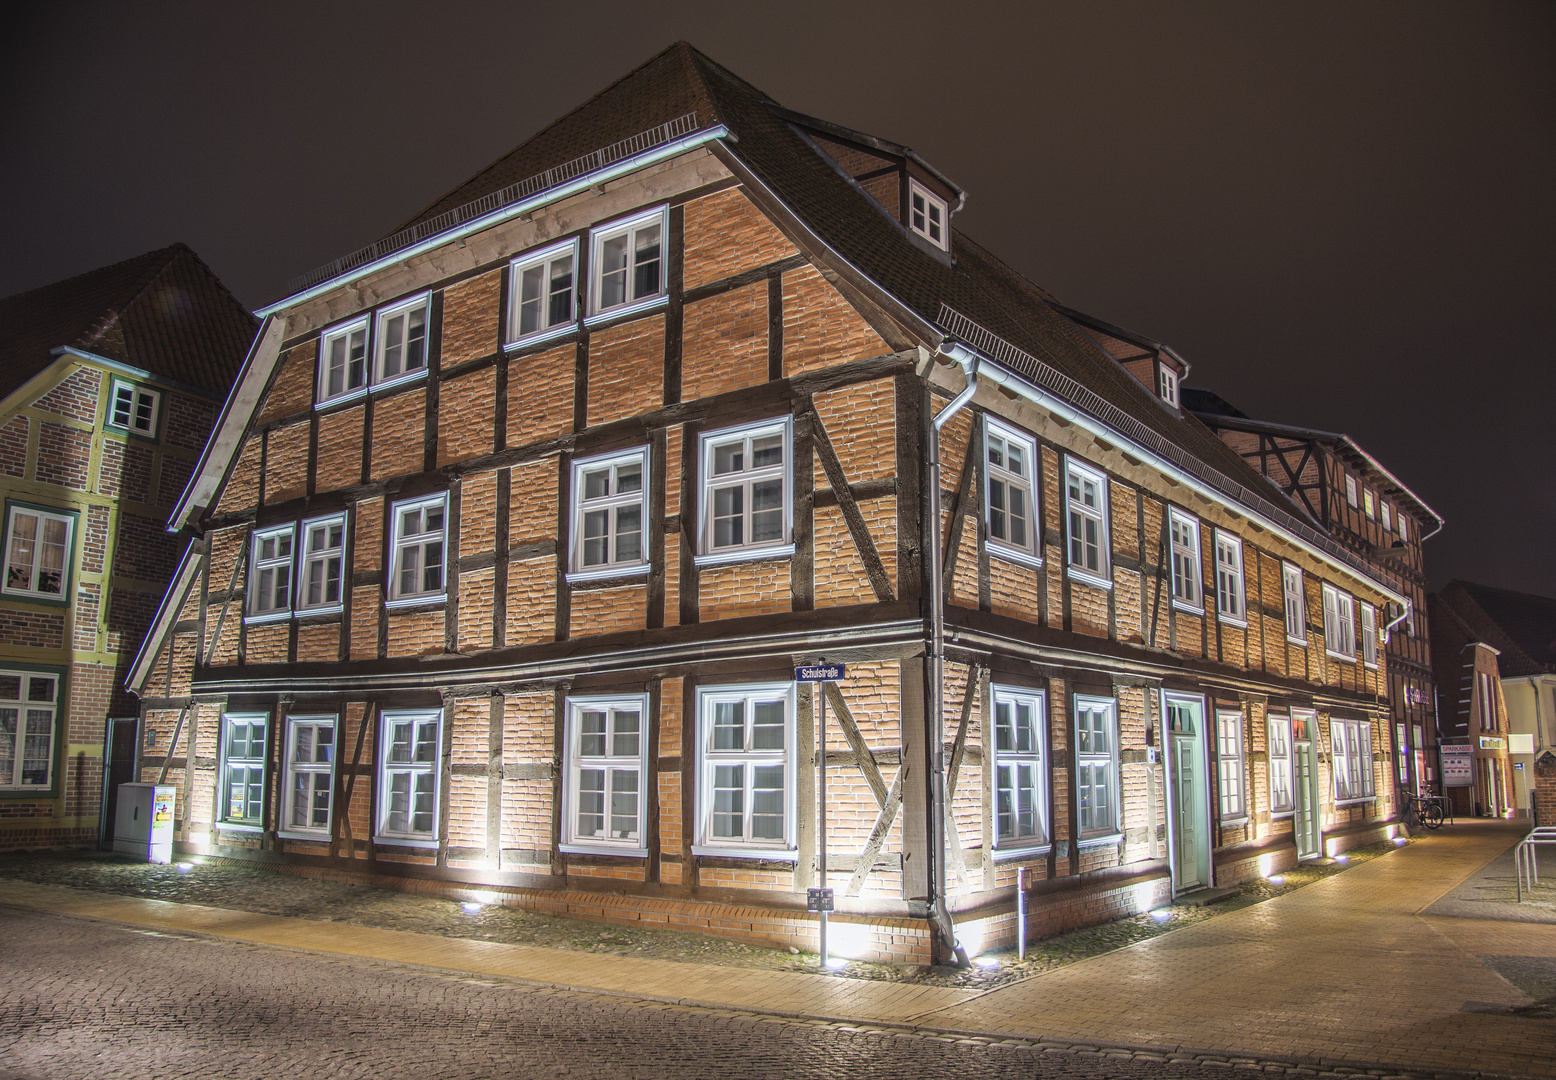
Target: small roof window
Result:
[[927, 215]]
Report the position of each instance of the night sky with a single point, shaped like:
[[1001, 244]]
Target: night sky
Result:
[[1342, 215]]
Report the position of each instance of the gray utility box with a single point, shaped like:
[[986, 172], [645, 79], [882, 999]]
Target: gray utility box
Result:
[[143, 825]]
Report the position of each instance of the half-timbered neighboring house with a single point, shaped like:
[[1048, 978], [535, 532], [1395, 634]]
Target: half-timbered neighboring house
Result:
[[1371, 511], [110, 383], [517, 524]]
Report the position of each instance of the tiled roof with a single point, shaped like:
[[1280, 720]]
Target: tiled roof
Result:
[[1521, 625], [163, 312], [681, 80]]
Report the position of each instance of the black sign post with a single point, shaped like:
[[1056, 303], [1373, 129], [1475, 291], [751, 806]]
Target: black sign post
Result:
[[820, 900]]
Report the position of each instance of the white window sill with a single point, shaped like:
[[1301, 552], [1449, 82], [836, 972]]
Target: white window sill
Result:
[[1008, 854], [1343, 657], [1370, 667], [1234, 822], [321, 837], [540, 337], [416, 601], [1276, 815], [1088, 578], [1016, 555], [267, 617], [1233, 621], [602, 849], [226, 826], [605, 573], [1184, 605], [331, 609], [1296, 641], [47, 598], [1357, 801], [634, 308], [722, 558], [409, 376], [429, 844], [341, 399], [1101, 841], [774, 854]]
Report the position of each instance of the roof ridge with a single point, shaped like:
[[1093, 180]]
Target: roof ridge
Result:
[[681, 45], [163, 258], [1488, 624], [75, 278]]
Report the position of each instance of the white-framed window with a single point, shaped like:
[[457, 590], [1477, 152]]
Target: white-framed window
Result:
[[1231, 602], [324, 547], [343, 361], [1167, 384], [1096, 765], [134, 408], [542, 293], [1339, 623], [1020, 770], [29, 706], [38, 552], [408, 776], [1351, 491], [1386, 516], [1403, 527], [1086, 522], [1351, 756], [629, 265], [1230, 775], [420, 529], [1369, 621], [746, 796], [607, 745], [927, 214], [1369, 503], [1009, 494], [1281, 768], [610, 509], [1402, 754], [747, 480], [310, 773], [1486, 695], [270, 573], [1183, 534], [400, 349], [242, 791], [1296, 603]]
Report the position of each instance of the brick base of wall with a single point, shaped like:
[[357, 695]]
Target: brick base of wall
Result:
[[858, 937], [44, 838], [1360, 835], [1056, 913], [1257, 864]]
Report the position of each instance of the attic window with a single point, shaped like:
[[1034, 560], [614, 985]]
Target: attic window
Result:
[[1167, 384], [927, 215], [134, 408]]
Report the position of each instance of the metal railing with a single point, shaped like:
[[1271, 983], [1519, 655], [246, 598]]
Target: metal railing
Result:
[[1526, 859], [1089, 401], [655, 136]]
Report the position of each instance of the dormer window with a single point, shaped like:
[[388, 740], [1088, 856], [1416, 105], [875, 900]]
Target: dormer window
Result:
[[1167, 384], [927, 215]]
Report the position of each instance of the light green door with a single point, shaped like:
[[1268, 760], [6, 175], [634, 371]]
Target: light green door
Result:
[[1305, 821], [1191, 837]]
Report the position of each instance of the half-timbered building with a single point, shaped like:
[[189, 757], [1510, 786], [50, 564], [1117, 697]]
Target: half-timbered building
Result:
[[110, 382], [517, 524], [1372, 512]]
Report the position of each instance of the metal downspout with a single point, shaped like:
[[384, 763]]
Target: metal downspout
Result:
[[937, 873]]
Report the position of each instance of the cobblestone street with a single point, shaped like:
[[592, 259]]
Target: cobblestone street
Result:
[[90, 1000]]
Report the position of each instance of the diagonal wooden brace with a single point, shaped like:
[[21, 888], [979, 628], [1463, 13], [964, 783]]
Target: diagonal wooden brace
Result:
[[866, 759], [883, 824]]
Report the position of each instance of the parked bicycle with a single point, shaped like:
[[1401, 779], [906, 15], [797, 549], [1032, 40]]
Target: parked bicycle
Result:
[[1427, 810]]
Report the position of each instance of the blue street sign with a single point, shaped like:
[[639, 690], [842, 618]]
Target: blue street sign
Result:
[[820, 673]]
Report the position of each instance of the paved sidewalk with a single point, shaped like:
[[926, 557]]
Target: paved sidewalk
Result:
[[1345, 970]]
